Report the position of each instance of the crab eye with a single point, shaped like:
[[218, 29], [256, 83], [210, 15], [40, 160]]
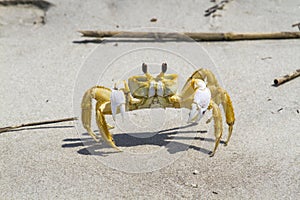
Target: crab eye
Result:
[[164, 67], [144, 68], [203, 112]]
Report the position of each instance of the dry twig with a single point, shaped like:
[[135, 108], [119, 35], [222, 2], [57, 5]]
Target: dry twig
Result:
[[283, 79], [9, 128], [41, 4], [197, 36]]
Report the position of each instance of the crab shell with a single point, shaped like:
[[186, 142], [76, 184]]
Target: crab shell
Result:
[[200, 93]]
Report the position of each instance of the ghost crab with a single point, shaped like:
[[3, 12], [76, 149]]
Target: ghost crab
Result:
[[201, 92]]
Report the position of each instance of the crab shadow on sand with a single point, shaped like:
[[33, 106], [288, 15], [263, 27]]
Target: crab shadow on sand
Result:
[[167, 138]]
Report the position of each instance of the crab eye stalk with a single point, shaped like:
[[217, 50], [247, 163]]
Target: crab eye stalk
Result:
[[164, 67], [144, 68]]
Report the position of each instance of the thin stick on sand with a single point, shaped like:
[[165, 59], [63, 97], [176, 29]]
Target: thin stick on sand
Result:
[[9, 128], [198, 36], [283, 79]]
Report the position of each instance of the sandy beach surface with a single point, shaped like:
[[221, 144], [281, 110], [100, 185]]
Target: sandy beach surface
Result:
[[45, 70]]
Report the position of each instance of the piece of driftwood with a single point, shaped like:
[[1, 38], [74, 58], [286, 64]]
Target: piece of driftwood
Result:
[[192, 35], [41, 4], [9, 128], [283, 79]]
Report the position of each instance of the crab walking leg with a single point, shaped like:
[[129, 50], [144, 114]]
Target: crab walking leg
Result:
[[101, 95], [86, 111], [228, 110], [102, 125], [216, 112]]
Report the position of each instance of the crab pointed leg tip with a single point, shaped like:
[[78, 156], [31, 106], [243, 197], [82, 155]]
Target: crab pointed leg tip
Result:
[[117, 148]]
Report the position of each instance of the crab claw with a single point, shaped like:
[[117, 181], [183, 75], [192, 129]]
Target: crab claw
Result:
[[201, 101], [117, 100]]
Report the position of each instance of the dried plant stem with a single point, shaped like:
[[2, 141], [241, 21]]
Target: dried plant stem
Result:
[[9, 128], [283, 79], [41, 4], [195, 36]]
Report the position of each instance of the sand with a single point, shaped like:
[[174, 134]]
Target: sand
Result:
[[42, 78]]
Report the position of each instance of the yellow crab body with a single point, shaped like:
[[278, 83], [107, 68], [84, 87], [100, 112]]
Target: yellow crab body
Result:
[[200, 93]]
